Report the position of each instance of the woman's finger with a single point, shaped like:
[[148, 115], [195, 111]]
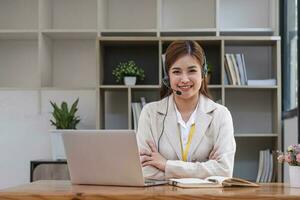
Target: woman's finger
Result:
[[145, 159], [212, 153], [145, 153], [152, 146]]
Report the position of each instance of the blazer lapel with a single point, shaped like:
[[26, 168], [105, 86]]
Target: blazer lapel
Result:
[[202, 121], [171, 128]]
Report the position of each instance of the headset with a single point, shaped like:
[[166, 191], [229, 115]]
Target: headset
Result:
[[166, 82]]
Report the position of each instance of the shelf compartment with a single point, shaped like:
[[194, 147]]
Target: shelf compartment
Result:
[[144, 53], [70, 34], [253, 111], [67, 63], [18, 14], [86, 105], [60, 14], [18, 34], [189, 14], [247, 160], [19, 64], [114, 108], [212, 51], [127, 14], [216, 94], [260, 58], [246, 14]]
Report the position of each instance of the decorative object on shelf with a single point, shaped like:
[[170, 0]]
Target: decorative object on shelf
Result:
[[63, 119], [209, 73], [292, 157], [129, 72]]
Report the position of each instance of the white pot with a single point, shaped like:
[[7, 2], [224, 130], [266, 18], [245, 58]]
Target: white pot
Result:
[[129, 80], [57, 145], [294, 176]]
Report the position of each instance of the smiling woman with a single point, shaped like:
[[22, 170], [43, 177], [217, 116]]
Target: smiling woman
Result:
[[185, 134]]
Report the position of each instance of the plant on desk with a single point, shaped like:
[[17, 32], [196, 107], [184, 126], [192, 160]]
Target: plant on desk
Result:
[[292, 157], [63, 119], [128, 72]]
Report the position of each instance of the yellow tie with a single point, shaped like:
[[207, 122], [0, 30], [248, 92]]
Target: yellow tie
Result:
[[185, 152]]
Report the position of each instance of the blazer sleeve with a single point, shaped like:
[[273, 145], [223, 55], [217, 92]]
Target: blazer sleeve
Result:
[[145, 133], [222, 166]]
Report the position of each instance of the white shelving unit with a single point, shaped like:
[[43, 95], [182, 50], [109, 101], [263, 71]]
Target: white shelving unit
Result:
[[61, 50]]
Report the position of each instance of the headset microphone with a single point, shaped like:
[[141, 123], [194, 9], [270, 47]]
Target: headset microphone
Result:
[[165, 82]]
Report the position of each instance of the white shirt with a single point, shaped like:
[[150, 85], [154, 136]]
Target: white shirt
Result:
[[185, 127]]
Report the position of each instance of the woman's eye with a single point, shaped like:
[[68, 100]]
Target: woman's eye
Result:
[[193, 70], [176, 72]]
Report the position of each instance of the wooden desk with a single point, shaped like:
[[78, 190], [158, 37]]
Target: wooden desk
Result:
[[60, 190]]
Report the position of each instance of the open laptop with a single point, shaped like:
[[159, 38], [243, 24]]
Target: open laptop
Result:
[[104, 157]]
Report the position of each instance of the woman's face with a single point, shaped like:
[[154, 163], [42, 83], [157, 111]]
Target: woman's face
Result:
[[186, 76]]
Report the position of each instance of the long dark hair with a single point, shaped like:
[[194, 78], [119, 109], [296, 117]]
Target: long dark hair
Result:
[[177, 50]]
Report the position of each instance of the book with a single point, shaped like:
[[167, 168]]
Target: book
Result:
[[264, 82], [212, 181]]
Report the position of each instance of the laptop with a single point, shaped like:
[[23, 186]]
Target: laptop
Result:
[[104, 157]]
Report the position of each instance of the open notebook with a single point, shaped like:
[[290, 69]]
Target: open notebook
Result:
[[212, 181]]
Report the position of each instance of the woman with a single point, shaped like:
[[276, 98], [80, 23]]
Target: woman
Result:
[[185, 134]]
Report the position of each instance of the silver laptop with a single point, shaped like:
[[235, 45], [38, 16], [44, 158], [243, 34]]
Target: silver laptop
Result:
[[104, 157]]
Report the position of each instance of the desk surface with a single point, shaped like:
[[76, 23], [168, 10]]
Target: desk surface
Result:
[[60, 190]]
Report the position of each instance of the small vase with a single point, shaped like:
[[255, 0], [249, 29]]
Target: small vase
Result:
[[294, 176], [129, 80]]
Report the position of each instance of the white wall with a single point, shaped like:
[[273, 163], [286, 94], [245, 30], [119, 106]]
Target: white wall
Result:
[[24, 129], [290, 137]]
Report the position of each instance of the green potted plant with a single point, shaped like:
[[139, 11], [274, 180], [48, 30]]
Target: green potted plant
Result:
[[63, 118], [128, 72]]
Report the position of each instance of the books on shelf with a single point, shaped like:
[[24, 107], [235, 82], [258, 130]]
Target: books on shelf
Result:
[[212, 181], [136, 111], [264, 82], [265, 167], [235, 69]]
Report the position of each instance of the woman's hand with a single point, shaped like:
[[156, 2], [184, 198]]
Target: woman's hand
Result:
[[213, 154], [152, 158]]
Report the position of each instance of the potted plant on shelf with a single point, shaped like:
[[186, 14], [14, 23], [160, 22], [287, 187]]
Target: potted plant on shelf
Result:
[[292, 157], [63, 119], [129, 72]]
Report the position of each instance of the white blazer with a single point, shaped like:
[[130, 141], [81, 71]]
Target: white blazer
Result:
[[214, 129]]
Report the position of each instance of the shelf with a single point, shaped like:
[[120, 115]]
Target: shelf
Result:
[[177, 14], [132, 87], [18, 34], [114, 109], [260, 57], [236, 14], [241, 135], [253, 111], [19, 63], [74, 57], [189, 32], [60, 14], [247, 155], [247, 31], [249, 87], [127, 14], [128, 32], [19, 14], [70, 34], [122, 51]]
